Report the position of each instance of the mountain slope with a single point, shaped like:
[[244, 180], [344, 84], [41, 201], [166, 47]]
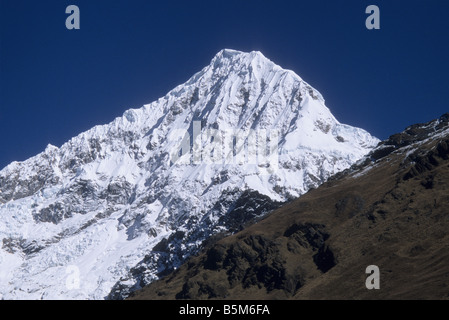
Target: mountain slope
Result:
[[122, 204], [388, 210]]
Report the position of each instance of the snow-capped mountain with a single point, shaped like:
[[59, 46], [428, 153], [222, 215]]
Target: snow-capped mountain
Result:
[[117, 206]]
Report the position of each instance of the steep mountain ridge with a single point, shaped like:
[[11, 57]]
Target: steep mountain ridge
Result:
[[388, 210], [125, 202]]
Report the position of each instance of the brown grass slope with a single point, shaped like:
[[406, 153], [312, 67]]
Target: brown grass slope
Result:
[[392, 212]]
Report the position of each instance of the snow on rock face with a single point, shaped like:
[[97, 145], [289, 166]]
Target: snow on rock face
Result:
[[117, 206]]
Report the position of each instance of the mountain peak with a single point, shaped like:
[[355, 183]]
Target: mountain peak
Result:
[[228, 60], [148, 188], [231, 53]]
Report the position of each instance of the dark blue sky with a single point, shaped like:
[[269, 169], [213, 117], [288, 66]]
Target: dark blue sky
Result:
[[56, 83]]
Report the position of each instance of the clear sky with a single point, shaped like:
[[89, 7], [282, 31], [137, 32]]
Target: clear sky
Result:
[[56, 83]]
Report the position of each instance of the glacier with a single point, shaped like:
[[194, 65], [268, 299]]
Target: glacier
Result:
[[114, 208]]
